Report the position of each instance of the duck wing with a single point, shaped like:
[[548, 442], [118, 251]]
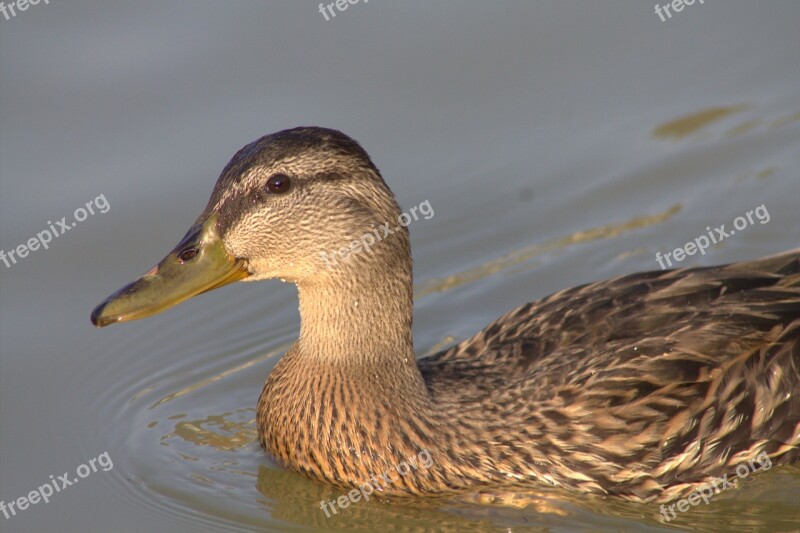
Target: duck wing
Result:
[[650, 380]]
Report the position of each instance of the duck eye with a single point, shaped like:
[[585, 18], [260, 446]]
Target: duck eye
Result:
[[188, 254], [279, 183]]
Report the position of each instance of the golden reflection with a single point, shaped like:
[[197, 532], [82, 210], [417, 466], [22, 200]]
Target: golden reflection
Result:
[[778, 122], [441, 345], [626, 254], [760, 175], [203, 480], [296, 500], [187, 457], [526, 254], [767, 172], [228, 431], [141, 393], [744, 127], [687, 124]]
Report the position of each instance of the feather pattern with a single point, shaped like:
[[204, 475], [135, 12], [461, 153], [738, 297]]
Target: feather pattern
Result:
[[645, 386]]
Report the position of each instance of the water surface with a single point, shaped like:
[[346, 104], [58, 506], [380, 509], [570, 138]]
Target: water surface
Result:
[[558, 143]]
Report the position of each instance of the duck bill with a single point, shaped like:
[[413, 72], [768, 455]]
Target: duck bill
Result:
[[179, 276]]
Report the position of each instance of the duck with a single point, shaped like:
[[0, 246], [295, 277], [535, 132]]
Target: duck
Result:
[[645, 387]]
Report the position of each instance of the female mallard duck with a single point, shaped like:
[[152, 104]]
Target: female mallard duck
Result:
[[645, 386]]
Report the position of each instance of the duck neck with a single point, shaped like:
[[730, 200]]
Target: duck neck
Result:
[[348, 399], [359, 321]]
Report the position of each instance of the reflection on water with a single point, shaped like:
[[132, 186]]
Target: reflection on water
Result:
[[212, 379], [788, 119], [228, 431], [216, 453], [523, 255], [694, 122]]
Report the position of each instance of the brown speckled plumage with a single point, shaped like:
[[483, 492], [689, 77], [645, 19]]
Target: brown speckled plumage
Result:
[[645, 386]]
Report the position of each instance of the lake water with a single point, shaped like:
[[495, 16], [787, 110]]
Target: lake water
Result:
[[557, 143]]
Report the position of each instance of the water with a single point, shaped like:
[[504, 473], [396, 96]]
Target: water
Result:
[[557, 144]]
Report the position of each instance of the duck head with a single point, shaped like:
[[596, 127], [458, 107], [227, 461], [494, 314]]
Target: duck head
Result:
[[282, 208]]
